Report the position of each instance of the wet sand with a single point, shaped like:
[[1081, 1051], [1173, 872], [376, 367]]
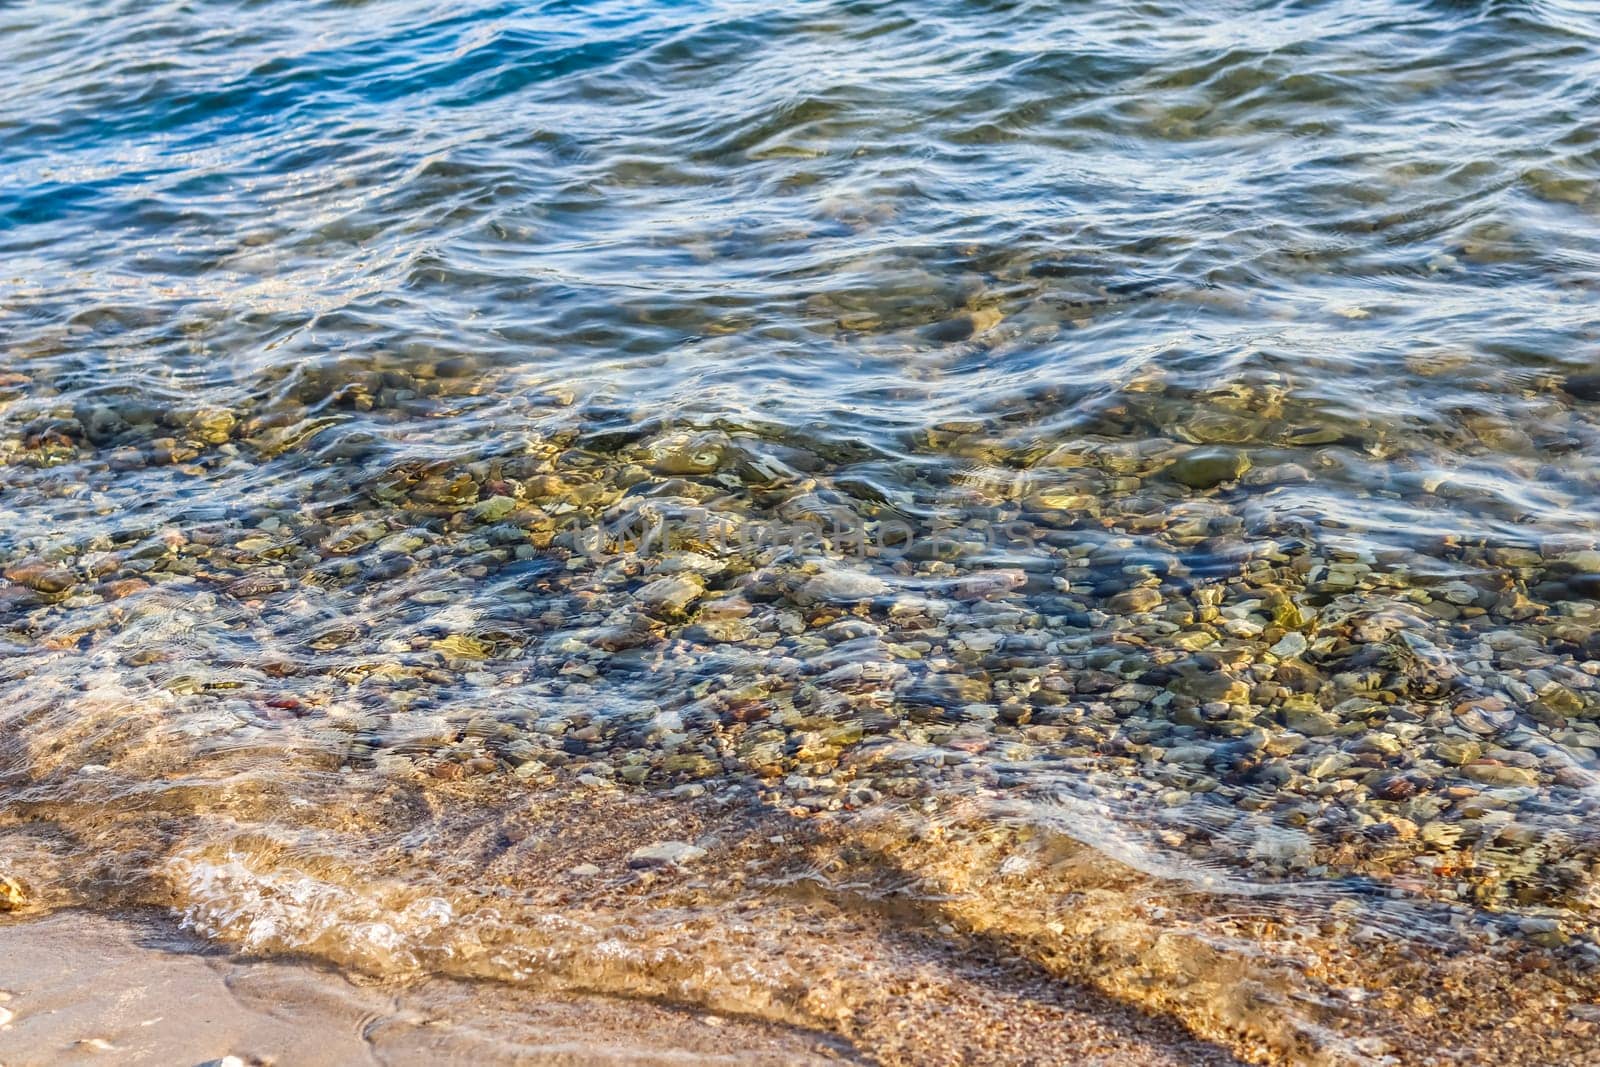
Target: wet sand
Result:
[[84, 988], [81, 987]]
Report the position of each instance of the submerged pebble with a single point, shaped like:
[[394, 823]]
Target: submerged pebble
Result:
[[665, 853]]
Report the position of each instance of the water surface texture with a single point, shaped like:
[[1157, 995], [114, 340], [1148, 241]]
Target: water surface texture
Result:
[[900, 519]]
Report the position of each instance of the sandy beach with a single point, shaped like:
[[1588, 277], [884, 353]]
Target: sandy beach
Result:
[[83, 988]]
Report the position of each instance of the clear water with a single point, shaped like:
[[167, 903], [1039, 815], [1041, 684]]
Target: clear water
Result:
[[1108, 488]]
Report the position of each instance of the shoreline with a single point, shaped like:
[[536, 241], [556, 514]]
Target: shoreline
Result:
[[156, 994], [932, 942], [162, 995]]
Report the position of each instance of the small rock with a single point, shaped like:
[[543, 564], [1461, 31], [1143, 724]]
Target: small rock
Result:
[[1384, 744], [1134, 601], [1395, 787], [1290, 645], [1585, 561], [1542, 930], [1485, 716], [1513, 605], [1403, 828], [1192, 755], [671, 595], [1279, 474], [962, 327], [493, 509], [214, 425], [1212, 686], [1309, 720], [841, 586], [665, 854], [1498, 774], [41, 577], [1329, 763], [1281, 845], [1204, 468], [701, 454], [1457, 751], [1582, 386]]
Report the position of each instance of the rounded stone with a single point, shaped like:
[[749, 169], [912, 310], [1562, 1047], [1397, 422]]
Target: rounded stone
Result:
[[1205, 468]]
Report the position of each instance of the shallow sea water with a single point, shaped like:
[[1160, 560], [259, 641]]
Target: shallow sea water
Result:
[[902, 519]]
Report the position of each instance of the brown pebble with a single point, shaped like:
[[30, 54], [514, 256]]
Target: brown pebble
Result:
[[123, 587], [40, 576]]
